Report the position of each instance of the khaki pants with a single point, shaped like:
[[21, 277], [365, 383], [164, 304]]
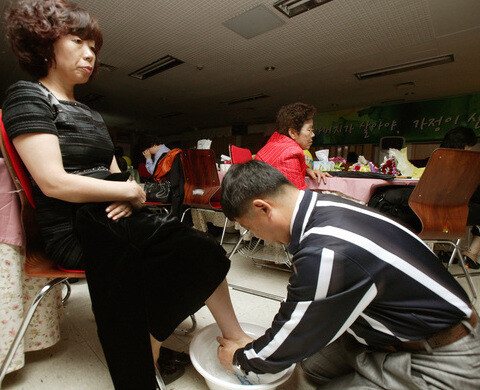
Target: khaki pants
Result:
[[346, 364]]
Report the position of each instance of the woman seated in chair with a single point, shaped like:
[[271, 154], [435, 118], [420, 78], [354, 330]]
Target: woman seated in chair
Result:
[[284, 149], [146, 273]]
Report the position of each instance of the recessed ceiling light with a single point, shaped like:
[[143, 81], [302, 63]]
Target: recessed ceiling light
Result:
[[419, 64], [160, 65], [407, 85], [269, 68]]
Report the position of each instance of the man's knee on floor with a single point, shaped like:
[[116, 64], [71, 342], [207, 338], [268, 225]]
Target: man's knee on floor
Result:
[[312, 370]]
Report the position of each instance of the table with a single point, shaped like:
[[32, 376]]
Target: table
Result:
[[359, 189], [18, 290]]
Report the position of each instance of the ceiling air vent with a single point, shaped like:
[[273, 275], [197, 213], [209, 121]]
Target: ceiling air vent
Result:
[[393, 101], [246, 99], [107, 68], [293, 8], [170, 114], [424, 63], [160, 65]]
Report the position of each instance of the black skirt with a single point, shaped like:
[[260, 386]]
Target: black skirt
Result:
[[146, 274]]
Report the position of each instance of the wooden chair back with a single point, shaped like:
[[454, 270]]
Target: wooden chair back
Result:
[[440, 199], [37, 262], [202, 185], [239, 155]]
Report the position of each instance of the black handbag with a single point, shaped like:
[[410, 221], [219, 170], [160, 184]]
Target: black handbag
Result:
[[158, 192]]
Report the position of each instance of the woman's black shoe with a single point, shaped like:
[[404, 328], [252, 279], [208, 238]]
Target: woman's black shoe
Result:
[[469, 263], [168, 355], [170, 372]]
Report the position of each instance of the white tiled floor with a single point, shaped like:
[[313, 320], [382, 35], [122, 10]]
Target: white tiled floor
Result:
[[77, 361]]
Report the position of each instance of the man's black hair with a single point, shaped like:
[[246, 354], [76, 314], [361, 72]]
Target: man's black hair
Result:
[[245, 182], [149, 140], [458, 138]]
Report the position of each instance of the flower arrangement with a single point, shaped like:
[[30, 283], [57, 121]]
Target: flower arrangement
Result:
[[338, 162], [389, 166], [363, 166]]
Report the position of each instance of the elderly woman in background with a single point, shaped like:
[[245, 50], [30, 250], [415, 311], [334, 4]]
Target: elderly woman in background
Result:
[[284, 149], [146, 273]]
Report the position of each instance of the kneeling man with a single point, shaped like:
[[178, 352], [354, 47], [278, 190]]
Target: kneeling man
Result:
[[369, 305]]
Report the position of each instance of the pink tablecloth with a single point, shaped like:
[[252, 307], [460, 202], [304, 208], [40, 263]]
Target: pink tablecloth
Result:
[[360, 189]]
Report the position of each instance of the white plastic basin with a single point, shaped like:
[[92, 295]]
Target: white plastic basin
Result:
[[203, 353]]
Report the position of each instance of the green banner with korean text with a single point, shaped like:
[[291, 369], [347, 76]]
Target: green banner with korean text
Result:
[[424, 121]]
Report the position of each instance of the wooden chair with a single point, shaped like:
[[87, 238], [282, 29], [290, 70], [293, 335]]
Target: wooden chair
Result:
[[202, 184], [440, 199], [37, 263]]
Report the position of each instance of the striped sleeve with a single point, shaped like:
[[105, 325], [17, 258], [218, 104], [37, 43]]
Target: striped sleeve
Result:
[[27, 110], [327, 293]]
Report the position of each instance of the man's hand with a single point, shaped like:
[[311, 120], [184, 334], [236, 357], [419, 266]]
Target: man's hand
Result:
[[119, 210], [225, 352], [319, 176], [146, 153]]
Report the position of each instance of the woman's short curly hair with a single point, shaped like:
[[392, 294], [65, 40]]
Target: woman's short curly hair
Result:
[[293, 116], [33, 26]]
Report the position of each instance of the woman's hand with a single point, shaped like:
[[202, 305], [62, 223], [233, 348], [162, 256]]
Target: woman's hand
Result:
[[119, 210], [137, 196], [319, 176]]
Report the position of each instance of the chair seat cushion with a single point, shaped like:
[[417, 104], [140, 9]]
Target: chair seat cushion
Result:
[[75, 271], [216, 205]]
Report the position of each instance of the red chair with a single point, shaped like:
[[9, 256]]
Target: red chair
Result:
[[239, 155], [37, 264]]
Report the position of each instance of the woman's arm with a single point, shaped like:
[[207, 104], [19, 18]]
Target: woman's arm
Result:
[[41, 154], [114, 168], [318, 175]]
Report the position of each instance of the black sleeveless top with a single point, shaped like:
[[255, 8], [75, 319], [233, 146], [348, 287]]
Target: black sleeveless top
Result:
[[86, 149]]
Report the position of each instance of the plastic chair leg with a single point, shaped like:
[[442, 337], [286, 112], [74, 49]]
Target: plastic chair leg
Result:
[[26, 321], [465, 271], [185, 212], [223, 231], [237, 245], [69, 292]]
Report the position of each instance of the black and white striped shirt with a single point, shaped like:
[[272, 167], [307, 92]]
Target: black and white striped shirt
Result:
[[359, 272]]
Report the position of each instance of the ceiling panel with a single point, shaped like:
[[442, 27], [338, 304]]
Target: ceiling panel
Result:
[[315, 55]]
